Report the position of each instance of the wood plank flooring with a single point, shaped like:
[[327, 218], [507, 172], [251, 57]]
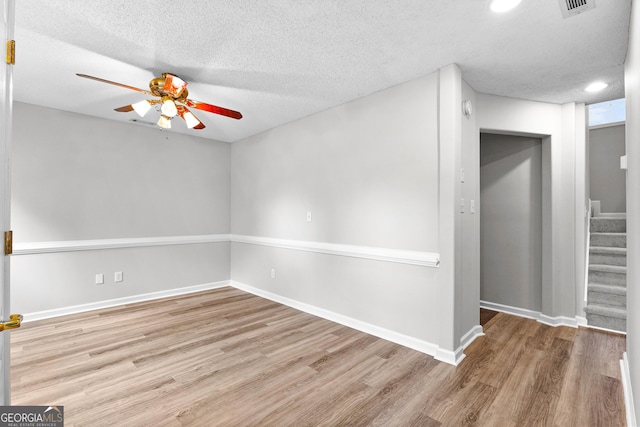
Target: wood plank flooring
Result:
[[228, 358]]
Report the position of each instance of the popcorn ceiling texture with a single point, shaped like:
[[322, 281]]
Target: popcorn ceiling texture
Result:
[[279, 61]]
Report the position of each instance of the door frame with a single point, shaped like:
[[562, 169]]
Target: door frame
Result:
[[6, 119]]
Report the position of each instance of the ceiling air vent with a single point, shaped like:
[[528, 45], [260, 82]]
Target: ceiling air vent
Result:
[[573, 7]]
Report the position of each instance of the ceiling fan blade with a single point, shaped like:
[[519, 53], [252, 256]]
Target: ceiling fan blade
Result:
[[214, 109], [115, 83], [125, 109]]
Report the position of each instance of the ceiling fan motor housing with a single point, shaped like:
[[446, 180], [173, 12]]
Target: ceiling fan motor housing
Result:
[[162, 86]]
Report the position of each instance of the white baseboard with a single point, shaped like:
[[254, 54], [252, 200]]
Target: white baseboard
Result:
[[628, 394], [571, 322], [39, 315], [457, 356], [471, 336], [582, 321], [453, 358], [530, 314]]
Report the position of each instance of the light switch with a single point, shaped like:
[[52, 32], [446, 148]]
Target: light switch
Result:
[[99, 279], [308, 216]]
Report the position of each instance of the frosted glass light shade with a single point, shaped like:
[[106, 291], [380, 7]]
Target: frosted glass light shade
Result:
[[164, 122], [190, 119], [168, 107], [141, 107]]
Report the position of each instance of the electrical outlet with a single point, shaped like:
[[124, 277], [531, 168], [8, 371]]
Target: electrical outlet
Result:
[[117, 277], [273, 273], [99, 279]]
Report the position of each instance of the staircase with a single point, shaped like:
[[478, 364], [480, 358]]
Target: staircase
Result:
[[607, 287]]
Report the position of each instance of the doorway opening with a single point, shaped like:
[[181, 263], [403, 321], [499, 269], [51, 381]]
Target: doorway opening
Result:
[[513, 200]]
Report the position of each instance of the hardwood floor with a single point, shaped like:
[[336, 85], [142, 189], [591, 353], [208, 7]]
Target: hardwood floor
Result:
[[229, 358]]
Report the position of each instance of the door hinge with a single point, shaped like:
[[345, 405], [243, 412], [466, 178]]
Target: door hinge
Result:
[[11, 52], [8, 242]]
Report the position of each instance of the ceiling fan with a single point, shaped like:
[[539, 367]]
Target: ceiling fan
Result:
[[172, 91]]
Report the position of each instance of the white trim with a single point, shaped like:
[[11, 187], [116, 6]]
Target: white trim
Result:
[[515, 311], [582, 321], [425, 259], [586, 250], [628, 393], [135, 242], [471, 336], [451, 357], [530, 314], [613, 331], [571, 322], [608, 125], [395, 337], [457, 356], [39, 315]]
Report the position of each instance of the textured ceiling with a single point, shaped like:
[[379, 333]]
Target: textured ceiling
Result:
[[281, 60]]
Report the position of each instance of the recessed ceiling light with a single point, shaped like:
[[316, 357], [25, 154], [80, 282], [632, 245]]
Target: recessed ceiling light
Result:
[[596, 87], [500, 6]]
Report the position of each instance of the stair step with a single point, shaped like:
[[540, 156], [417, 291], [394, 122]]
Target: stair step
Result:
[[608, 274], [608, 255], [618, 240], [611, 289], [607, 295], [619, 269], [601, 316], [608, 225], [603, 310], [607, 250]]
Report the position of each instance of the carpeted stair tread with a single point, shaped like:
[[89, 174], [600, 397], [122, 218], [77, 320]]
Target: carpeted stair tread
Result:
[[604, 310], [607, 250], [605, 255], [612, 225], [611, 289], [618, 240], [619, 269]]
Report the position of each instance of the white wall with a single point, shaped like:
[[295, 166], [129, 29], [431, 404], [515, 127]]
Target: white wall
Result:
[[556, 124], [78, 178], [632, 94], [368, 173]]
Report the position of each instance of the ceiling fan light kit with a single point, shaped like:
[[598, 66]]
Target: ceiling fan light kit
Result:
[[141, 107], [164, 122], [173, 93], [168, 107]]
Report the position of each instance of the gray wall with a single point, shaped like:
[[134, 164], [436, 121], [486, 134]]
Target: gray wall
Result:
[[368, 173], [470, 221], [77, 177], [606, 179], [511, 220]]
